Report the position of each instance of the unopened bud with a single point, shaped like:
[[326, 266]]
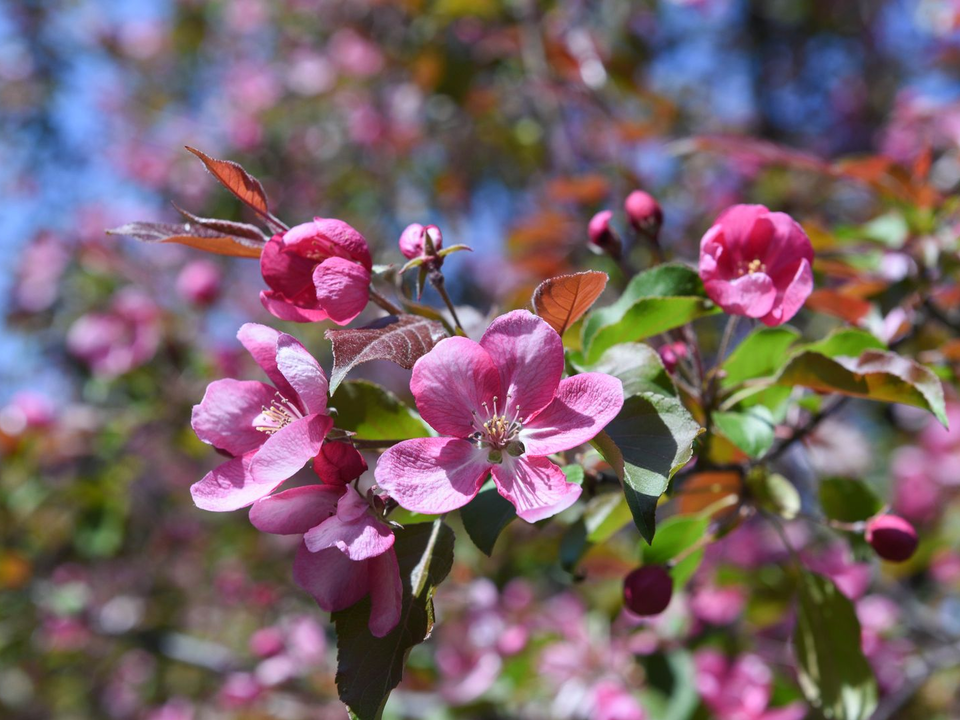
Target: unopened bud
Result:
[[671, 354], [338, 463], [413, 240], [644, 213], [647, 590], [892, 537], [602, 235]]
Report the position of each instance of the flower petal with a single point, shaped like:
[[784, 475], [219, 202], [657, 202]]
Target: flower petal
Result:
[[354, 530], [752, 295], [793, 297], [261, 342], [386, 593], [338, 463], [342, 288], [537, 488], [328, 237], [288, 449], [335, 581], [451, 382], [287, 273], [529, 355], [283, 309], [432, 475], [583, 406], [224, 418], [303, 373], [230, 486], [294, 511]]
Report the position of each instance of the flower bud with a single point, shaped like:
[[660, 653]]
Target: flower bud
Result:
[[602, 235], [644, 213], [413, 240], [892, 537], [671, 354], [647, 590], [199, 282], [338, 463]]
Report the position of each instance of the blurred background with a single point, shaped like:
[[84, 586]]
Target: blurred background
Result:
[[506, 123]]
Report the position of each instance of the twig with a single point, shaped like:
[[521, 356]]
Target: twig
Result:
[[384, 302]]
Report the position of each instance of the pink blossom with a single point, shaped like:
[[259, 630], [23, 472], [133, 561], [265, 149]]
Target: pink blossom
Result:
[[347, 550], [316, 271], [413, 242], [718, 605], [757, 263], [740, 690], [124, 337], [199, 282], [269, 432], [501, 407], [612, 701]]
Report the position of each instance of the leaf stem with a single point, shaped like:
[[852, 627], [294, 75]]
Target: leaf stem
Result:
[[438, 282], [384, 302]]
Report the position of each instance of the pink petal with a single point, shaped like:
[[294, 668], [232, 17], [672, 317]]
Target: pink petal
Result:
[[230, 486], [738, 220], [328, 237], [335, 581], [338, 463], [752, 295], [288, 274], [529, 355], [303, 373], [432, 475], [288, 449], [790, 244], [224, 418], [294, 511], [342, 287], [583, 406], [451, 382], [282, 309], [793, 297], [386, 593], [537, 488], [354, 530], [261, 342]]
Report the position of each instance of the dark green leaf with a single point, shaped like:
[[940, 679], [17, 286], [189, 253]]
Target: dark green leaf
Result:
[[760, 354], [368, 668], [848, 500], [875, 375], [649, 440], [573, 545], [637, 366], [374, 413], [655, 301], [485, 517], [834, 675], [675, 536], [750, 430]]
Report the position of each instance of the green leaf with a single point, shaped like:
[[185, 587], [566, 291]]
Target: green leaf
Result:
[[574, 474], [649, 440], [637, 366], [655, 301], [674, 536], [847, 342], [875, 375], [368, 667], [890, 229], [775, 493], [750, 430], [759, 354], [833, 673], [485, 517], [605, 515], [374, 413], [848, 500], [573, 545]]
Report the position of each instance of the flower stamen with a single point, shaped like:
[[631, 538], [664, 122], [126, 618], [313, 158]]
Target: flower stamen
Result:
[[281, 413]]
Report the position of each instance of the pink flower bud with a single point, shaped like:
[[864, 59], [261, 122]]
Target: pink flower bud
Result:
[[644, 213], [671, 354], [413, 243], [602, 235], [892, 537], [647, 590], [338, 463], [199, 282]]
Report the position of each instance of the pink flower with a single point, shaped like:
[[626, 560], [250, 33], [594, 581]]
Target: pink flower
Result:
[[413, 243], [740, 690], [612, 701], [270, 432], [117, 341], [316, 271], [347, 551], [199, 282], [502, 408], [757, 263]]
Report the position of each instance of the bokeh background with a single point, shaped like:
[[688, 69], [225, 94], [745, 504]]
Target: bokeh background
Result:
[[508, 124]]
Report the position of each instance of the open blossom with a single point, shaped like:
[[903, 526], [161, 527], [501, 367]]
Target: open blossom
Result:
[[501, 408], [757, 263], [316, 271], [124, 337], [270, 432], [347, 550], [740, 690]]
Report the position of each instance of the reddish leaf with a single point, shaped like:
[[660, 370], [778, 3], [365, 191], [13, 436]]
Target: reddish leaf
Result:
[[241, 183], [192, 235], [832, 302], [563, 300], [402, 339], [227, 227]]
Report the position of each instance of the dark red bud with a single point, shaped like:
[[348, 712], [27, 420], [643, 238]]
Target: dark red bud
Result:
[[338, 463], [647, 590], [644, 213], [604, 236], [892, 537]]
